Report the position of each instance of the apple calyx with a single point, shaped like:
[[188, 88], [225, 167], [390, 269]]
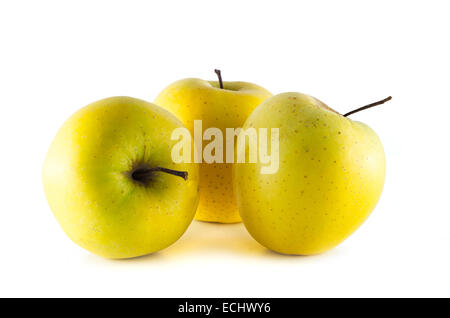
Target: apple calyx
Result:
[[219, 75], [144, 175], [368, 106]]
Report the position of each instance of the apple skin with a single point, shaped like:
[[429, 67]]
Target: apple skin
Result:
[[195, 99], [330, 177], [88, 185]]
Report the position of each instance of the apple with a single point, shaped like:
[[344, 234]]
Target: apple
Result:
[[330, 177], [217, 104], [111, 183]]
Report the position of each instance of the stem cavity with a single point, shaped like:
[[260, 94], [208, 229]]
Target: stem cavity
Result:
[[144, 175]]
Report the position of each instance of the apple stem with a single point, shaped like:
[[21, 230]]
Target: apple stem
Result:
[[369, 106], [219, 75], [145, 173]]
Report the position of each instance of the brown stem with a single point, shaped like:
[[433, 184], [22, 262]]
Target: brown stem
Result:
[[144, 174], [369, 106], [219, 75]]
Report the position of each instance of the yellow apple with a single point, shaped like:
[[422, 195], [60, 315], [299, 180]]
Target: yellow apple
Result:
[[227, 107], [111, 183], [330, 177]]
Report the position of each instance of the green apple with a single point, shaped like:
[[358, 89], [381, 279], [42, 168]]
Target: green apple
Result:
[[111, 183], [221, 105], [330, 177]]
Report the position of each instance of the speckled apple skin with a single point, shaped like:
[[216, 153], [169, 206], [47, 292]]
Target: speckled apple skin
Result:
[[330, 178], [86, 177], [195, 99]]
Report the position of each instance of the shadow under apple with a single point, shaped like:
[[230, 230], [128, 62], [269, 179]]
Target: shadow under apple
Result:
[[206, 237]]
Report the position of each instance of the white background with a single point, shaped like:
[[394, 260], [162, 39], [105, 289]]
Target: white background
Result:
[[57, 56]]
